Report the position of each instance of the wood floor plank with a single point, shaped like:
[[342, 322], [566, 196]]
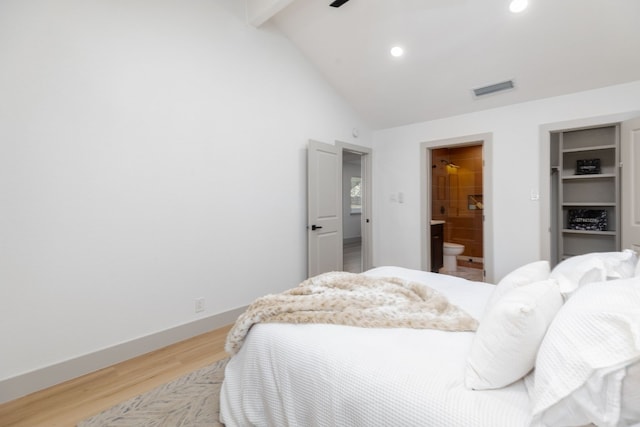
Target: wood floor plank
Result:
[[64, 405]]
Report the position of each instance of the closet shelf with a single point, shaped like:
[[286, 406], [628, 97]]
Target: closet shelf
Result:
[[587, 148], [588, 204], [593, 232], [594, 176]]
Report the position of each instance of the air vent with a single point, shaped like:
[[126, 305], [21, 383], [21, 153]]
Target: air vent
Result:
[[497, 87], [338, 3]]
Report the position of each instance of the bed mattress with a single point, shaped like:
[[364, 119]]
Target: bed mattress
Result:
[[331, 375]]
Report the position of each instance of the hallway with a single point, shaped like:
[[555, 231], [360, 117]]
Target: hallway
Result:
[[352, 256]]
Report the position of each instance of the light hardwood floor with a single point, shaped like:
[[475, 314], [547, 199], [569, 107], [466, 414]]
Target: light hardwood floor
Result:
[[66, 404], [352, 257]]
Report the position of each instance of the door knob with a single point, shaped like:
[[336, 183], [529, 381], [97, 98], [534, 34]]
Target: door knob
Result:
[[316, 227]]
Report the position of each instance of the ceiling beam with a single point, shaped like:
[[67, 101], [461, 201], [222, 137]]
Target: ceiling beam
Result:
[[260, 11]]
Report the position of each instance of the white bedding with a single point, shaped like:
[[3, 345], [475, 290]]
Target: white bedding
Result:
[[330, 375]]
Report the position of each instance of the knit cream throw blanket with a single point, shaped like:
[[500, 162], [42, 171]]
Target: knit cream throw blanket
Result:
[[354, 300]]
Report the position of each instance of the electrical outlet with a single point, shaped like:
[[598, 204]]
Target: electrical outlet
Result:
[[199, 305]]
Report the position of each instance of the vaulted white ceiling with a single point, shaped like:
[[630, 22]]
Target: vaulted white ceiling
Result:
[[554, 47]]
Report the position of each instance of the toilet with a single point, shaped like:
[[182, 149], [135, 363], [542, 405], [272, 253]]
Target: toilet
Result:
[[450, 252]]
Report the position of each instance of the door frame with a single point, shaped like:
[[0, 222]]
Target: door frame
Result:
[[486, 140], [630, 218], [366, 215]]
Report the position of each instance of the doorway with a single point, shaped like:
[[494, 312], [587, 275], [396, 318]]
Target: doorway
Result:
[[356, 208], [455, 201], [352, 211], [329, 203]]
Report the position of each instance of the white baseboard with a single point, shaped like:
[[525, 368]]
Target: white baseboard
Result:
[[21, 385]]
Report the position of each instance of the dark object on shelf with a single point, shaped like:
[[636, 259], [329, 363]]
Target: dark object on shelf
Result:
[[588, 219], [588, 166]]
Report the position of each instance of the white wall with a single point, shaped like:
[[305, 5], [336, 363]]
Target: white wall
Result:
[[516, 168], [151, 152]]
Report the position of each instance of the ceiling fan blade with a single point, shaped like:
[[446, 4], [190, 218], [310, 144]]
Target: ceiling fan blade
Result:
[[338, 3]]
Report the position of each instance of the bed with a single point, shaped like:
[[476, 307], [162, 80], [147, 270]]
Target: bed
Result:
[[338, 375]]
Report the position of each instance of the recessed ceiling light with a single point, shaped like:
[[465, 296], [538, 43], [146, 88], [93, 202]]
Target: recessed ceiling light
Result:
[[397, 51], [517, 6]]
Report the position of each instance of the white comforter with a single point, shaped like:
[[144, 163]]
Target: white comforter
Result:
[[329, 375]]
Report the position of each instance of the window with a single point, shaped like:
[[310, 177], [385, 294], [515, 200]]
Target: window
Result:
[[356, 195]]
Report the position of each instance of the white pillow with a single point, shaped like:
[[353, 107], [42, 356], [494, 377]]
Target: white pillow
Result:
[[529, 273], [505, 345], [582, 362], [593, 267], [630, 412]]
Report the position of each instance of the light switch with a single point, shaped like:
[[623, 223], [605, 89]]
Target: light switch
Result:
[[535, 195]]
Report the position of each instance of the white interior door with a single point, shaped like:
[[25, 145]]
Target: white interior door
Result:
[[324, 207], [630, 150]]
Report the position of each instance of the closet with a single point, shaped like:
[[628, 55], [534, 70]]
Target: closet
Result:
[[585, 190]]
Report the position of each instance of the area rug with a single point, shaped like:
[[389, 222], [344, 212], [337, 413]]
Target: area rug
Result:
[[192, 400]]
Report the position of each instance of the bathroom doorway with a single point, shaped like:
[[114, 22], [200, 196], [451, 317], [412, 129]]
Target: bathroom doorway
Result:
[[455, 203]]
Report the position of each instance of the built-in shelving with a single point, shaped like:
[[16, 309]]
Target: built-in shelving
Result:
[[592, 192]]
